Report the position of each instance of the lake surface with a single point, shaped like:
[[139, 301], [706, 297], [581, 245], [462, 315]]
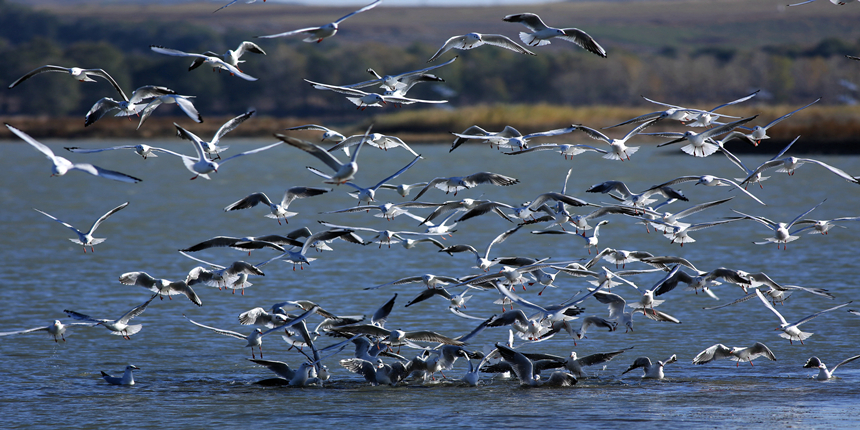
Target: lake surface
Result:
[[191, 377]]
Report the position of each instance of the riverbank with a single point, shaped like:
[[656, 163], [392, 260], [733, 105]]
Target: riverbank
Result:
[[824, 129]]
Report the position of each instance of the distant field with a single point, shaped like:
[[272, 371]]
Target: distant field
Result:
[[630, 25]]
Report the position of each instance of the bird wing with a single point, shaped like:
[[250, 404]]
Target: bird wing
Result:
[[584, 41], [381, 315], [819, 313], [249, 202], [776, 121], [67, 225], [38, 70], [505, 42], [41, 147], [105, 216], [847, 360], [366, 8], [253, 151], [530, 20], [712, 353], [218, 330], [315, 150], [231, 125], [135, 311], [453, 42], [279, 367], [603, 357], [772, 309]]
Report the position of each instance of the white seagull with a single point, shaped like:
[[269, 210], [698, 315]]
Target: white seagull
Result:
[[278, 210], [651, 371], [211, 147], [513, 139], [57, 328], [213, 60], [824, 373], [141, 149], [791, 331], [474, 40], [329, 135], [457, 183], [140, 98], [127, 377], [60, 166], [362, 99], [232, 56], [256, 337], [735, 353], [619, 149], [183, 102], [759, 133], [343, 172], [701, 144], [317, 34], [541, 33], [119, 326], [781, 230], [86, 239], [201, 165], [161, 287], [83, 75]]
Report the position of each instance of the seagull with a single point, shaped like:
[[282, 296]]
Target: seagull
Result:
[[652, 371], [208, 58], [256, 337], [120, 326], [57, 328], [781, 231], [735, 353], [362, 99], [127, 377], [83, 75], [790, 164], [86, 239], [619, 149], [507, 132], [513, 139], [161, 287], [278, 210], [317, 34], [230, 57], [824, 373], [523, 367], [247, 243], [575, 364], [482, 262], [701, 144], [457, 183], [367, 195], [759, 133], [140, 98], [567, 150], [211, 148], [60, 166], [294, 377], [388, 237], [201, 165], [377, 140], [590, 242], [141, 149], [635, 200], [791, 331], [822, 226], [329, 135], [344, 172], [299, 256], [183, 102], [474, 40], [400, 82], [710, 181], [429, 281], [541, 33], [701, 118]]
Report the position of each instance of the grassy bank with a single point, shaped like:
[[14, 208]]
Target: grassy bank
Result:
[[824, 128]]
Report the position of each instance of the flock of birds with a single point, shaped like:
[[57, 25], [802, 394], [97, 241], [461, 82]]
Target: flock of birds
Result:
[[379, 356]]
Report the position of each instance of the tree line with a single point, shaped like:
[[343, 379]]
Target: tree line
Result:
[[713, 74]]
